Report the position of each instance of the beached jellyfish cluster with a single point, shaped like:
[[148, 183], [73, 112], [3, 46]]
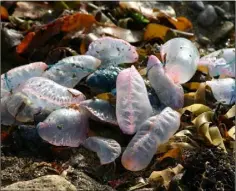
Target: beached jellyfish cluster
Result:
[[34, 89]]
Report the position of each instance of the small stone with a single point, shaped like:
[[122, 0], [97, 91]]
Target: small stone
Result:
[[225, 6], [209, 50], [84, 182], [197, 5], [222, 31], [49, 182], [204, 40], [208, 16], [219, 11], [10, 37]]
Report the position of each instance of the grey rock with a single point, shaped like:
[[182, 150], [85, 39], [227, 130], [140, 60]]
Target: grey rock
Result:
[[49, 182], [197, 5], [222, 31], [208, 16], [219, 11], [226, 6], [11, 37], [85, 183], [204, 40]]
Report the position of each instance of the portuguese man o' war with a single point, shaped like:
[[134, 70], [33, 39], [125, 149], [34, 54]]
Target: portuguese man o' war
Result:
[[103, 80], [153, 132], [99, 110], [112, 51], [64, 127], [6, 117], [16, 76], [69, 71], [180, 57], [132, 103], [107, 149], [223, 90], [40, 94], [168, 92], [220, 62]]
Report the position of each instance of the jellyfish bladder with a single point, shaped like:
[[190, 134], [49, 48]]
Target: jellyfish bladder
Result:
[[107, 149], [153, 132], [64, 127], [180, 57], [40, 94], [132, 103], [16, 76], [220, 62], [69, 71], [112, 51], [223, 90], [99, 110], [168, 92]]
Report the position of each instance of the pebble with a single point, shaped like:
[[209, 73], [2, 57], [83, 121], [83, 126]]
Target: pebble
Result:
[[208, 16], [222, 31], [197, 5], [204, 40], [11, 37], [49, 182], [219, 11], [225, 6]]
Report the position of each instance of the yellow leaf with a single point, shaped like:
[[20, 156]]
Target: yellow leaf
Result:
[[202, 123], [155, 31], [203, 69], [192, 85], [143, 72], [173, 153], [196, 109], [181, 23], [200, 96], [231, 133], [107, 97], [183, 133], [204, 131], [232, 144], [189, 98], [4, 13], [164, 177], [216, 137], [77, 21], [25, 42], [130, 36], [163, 148], [205, 117], [83, 48], [231, 113]]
